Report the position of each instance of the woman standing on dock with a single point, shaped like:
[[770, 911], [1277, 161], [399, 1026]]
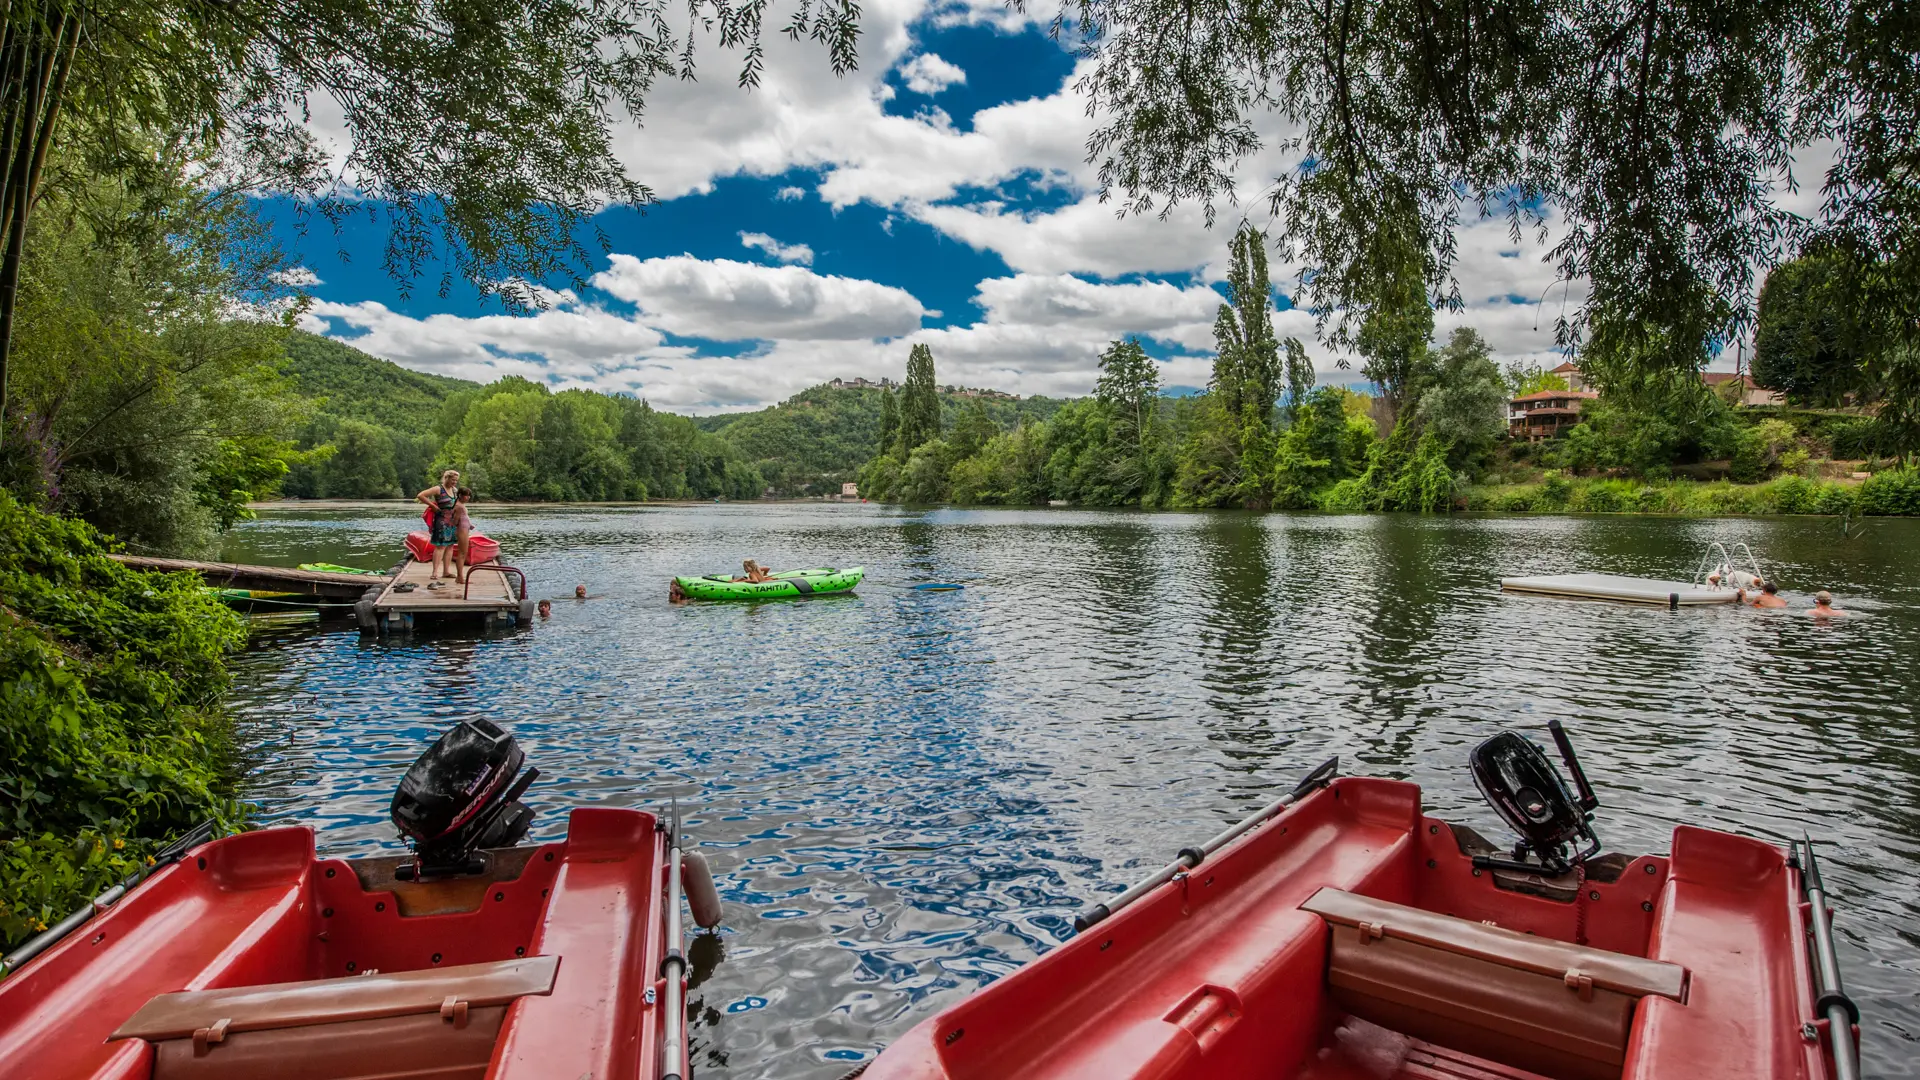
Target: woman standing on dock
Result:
[[445, 533]]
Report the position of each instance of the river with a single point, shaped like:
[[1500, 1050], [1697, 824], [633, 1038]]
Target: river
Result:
[[907, 794]]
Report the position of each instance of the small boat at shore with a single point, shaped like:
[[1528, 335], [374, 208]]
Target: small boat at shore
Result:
[[474, 956], [787, 583], [1342, 934]]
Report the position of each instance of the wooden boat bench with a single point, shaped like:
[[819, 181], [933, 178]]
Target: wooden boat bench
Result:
[[1531, 1002], [439, 1023]]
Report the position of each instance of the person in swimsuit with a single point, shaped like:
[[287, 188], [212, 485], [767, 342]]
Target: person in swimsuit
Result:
[[463, 532], [445, 530], [755, 573], [1769, 596]]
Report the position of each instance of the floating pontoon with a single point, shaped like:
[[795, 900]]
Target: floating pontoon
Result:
[[1716, 581]]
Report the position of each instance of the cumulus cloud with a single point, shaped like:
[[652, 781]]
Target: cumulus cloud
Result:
[[786, 253], [929, 74], [790, 194], [724, 300], [297, 277]]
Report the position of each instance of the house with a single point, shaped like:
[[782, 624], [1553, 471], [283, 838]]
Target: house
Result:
[[1547, 413], [1750, 393], [1567, 371], [849, 491]]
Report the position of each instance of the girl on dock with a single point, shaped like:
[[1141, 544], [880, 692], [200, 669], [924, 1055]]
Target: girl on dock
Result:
[[445, 530]]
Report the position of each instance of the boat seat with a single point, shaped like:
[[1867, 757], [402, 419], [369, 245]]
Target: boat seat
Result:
[[1561, 1010], [437, 1024]]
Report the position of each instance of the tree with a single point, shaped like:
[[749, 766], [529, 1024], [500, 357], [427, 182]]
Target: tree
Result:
[[919, 402], [889, 420], [482, 132], [1299, 377], [1466, 409], [974, 429], [1803, 344], [1129, 384], [1530, 378], [1654, 136], [1247, 372]]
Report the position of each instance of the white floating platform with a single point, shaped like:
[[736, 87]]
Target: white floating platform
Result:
[[1632, 590]]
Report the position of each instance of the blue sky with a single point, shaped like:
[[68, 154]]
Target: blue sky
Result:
[[819, 226]]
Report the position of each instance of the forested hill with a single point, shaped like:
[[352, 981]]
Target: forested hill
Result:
[[378, 429]]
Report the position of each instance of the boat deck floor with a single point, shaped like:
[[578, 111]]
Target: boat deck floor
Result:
[[1630, 590], [1422, 1061]]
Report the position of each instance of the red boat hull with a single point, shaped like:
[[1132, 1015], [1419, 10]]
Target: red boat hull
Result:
[[258, 908], [480, 549], [1222, 974]]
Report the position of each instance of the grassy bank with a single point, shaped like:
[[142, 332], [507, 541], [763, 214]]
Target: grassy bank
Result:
[[1890, 492], [112, 739]]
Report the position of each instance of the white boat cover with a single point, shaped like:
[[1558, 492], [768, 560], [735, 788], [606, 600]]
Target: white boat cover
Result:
[[1612, 587]]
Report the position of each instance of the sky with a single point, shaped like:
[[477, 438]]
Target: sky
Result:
[[819, 226]]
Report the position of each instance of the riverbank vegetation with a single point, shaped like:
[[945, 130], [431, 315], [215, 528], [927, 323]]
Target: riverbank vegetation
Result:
[[111, 737]]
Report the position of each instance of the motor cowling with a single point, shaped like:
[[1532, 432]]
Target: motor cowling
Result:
[[1519, 781], [462, 796]]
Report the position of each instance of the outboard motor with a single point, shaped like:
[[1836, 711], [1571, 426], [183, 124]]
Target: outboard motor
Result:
[[1519, 781], [462, 796]]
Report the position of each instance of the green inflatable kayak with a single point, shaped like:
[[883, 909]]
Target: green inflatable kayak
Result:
[[336, 568], [786, 583]]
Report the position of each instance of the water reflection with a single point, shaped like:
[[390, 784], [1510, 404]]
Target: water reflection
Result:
[[905, 795]]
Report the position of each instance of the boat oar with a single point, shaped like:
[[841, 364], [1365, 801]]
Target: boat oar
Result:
[[1192, 857], [1834, 1005], [41, 942], [673, 966]]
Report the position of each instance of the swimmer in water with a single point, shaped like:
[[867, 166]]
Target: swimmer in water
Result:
[[546, 609], [1769, 596], [1823, 606]]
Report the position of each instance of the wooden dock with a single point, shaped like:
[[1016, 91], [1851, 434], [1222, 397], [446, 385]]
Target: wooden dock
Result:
[[315, 583], [493, 597]]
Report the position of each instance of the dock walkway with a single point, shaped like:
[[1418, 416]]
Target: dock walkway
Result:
[[317, 583], [489, 595]]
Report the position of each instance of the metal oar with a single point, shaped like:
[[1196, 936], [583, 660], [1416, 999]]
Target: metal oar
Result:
[[673, 966], [41, 942], [1192, 857], [1833, 1004]]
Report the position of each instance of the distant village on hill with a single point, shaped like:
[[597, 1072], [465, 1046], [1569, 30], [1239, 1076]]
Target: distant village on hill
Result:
[[955, 391]]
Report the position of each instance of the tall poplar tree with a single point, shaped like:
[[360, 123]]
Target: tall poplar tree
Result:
[[889, 420], [1247, 371], [1130, 385], [919, 402]]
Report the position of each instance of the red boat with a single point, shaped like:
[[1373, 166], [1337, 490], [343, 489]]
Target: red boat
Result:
[[1341, 934], [480, 549], [470, 958]]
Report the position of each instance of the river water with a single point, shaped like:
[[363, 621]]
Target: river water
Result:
[[906, 795]]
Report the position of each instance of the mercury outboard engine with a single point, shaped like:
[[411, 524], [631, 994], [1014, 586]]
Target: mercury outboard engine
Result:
[[1521, 784], [462, 796]]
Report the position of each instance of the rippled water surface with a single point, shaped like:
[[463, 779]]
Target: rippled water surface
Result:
[[907, 794]]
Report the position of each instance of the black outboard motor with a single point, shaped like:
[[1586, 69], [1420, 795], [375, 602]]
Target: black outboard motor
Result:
[[1519, 781], [462, 796]]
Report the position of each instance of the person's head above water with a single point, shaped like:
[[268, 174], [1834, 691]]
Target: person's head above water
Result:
[[580, 592], [1823, 598], [546, 608], [1769, 588]]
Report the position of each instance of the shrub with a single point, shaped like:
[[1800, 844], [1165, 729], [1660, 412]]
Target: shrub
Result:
[[111, 741], [1855, 438], [1892, 491]]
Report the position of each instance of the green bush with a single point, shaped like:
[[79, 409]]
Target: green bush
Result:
[[1892, 491], [1856, 438], [111, 738]]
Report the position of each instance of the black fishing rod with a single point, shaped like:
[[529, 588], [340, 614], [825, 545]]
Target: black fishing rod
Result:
[[166, 856], [1192, 857]]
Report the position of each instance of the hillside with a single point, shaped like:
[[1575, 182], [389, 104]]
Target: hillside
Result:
[[378, 428], [352, 385]]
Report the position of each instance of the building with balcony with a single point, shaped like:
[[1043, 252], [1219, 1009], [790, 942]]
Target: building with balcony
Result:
[[1547, 413]]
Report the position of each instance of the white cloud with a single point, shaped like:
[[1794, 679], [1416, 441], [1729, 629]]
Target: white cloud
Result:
[[786, 253], [929, 74], [723, 300], [790, 194], [297, 277]]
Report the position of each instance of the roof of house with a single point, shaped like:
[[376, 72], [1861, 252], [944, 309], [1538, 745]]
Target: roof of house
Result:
[[1568, 367], [1543, 395]]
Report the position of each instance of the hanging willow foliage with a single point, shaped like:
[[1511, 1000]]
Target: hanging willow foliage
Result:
[[481, 130]]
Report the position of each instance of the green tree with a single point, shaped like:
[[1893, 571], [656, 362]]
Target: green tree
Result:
[[362, 466], [1299, 377], [889, 420], [1466, 408], [1529, 377], [1129, 384], [919, 402], [973, 430], [1803, 343], [1247, 372], [483, 134]]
